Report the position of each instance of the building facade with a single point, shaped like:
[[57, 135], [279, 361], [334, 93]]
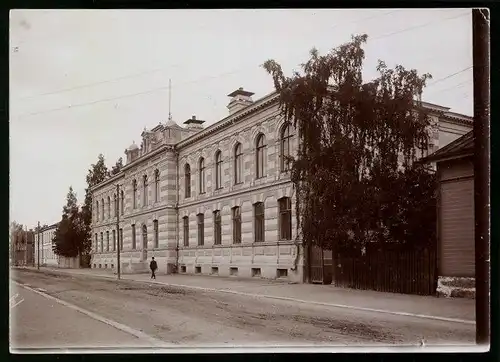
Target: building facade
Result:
[[456, 222], [43, 243], [215, 200]]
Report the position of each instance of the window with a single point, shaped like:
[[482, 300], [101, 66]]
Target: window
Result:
[[102, 242], [155, 229], [114, 240], [217, 228], [157, 185], [144, 190], [133, 236], [238, 167], [285, 209], [259, 221], [120, 239], [115, 209], [202, 175], [107, 240], [201, 227], [236, 211], [96, 243], [109, 207], [285, 148], [122, 207], [102, 209], [185, 221], [134, 193], [260, 158], [187, 181], [218, 170], [97, 211]]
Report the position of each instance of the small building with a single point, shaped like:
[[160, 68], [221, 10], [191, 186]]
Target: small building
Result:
[[456, 256], [43, 244]]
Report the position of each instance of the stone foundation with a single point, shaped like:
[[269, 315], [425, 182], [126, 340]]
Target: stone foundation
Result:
[[456, 287]]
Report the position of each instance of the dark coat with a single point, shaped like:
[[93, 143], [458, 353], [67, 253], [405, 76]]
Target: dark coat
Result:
[[153, 265]]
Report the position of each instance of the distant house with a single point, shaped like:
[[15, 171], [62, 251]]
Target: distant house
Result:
[[456, 257]]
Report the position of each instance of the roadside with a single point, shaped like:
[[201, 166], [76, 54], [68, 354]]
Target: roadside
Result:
[[196, 317], [31, 329], [392, 303]]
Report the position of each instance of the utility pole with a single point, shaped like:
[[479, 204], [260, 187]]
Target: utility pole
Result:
[[481, 76], [118, 230], [25, 246], [38, 246]]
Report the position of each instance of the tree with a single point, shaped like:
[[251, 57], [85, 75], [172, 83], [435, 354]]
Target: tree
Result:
[[96, 174], [358, 143], [69, 236], [117, 167]]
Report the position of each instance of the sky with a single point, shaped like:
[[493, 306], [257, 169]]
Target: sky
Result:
[[85, 82]]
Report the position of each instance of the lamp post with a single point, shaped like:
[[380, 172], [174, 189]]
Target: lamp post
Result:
[[118, 231]]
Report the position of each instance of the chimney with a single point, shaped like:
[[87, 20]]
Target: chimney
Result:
[[194, 124], [240, 99]]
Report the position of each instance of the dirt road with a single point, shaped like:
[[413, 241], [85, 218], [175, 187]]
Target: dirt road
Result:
[[196, 318]]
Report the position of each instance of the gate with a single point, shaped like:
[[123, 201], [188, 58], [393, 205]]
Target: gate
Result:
[[321, 265]]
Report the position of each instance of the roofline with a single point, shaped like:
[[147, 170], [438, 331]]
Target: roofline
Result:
[[267, 100], [448, 156], [49, 227]]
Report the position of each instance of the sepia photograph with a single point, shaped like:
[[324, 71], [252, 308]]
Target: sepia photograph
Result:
[[249, 180]]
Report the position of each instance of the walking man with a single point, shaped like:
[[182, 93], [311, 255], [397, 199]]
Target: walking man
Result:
[[153, 267]]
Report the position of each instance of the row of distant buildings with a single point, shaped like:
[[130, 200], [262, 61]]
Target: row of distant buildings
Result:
[[26, 245], [216, 200]]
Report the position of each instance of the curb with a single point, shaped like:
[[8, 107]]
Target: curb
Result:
[[382, 311]]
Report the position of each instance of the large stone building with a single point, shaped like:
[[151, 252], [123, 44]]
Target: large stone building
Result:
[[215, 200]]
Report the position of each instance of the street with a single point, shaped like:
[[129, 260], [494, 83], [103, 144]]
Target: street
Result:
[[37, 322], [182, 317]]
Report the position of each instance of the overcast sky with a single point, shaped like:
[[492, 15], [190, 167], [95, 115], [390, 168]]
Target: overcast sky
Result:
[[86, 82]]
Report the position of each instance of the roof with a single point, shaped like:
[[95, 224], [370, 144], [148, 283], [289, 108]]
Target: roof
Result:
[[461, 147], [172, 124], [240, 91]]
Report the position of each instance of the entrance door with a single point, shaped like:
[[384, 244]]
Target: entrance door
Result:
[[144, 243], [316, 264]]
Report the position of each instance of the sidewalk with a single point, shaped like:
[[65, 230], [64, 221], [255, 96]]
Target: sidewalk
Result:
[[462, 309]]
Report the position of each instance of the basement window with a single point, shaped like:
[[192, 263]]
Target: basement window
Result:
[[112, 266], [215, 270], [100, 265], [105, 266], [183, 268], [197, 270], [233, 271], [256, 272], [282, 273]]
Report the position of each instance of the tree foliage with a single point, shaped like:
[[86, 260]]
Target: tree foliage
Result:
[[69, 236], [117, 167], [97, 173], [358, 143]]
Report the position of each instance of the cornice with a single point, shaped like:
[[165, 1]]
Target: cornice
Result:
[[230, 120]]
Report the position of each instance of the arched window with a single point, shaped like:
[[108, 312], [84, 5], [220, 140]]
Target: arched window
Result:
[[218, 170], [285, 139], [122, 207], [202, 175], [109, 207], [115, 209], [187, 180], [144, 190], [134, 194], [97, 210], [238, 164], [157, 185], [260, 155], [102, 209]]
